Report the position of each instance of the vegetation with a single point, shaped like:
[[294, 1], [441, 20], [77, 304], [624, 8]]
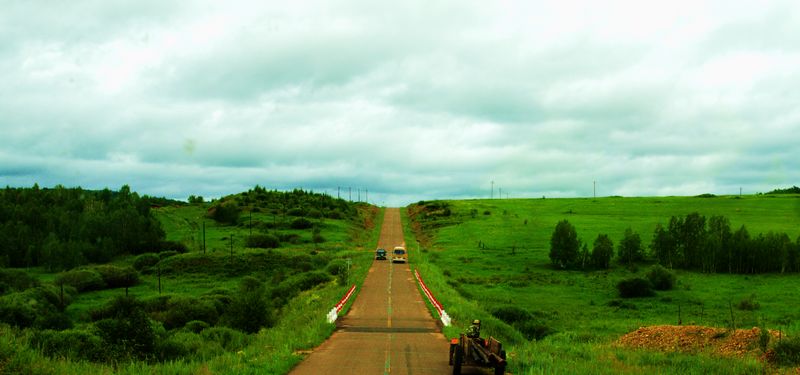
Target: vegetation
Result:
[[478, 265], [226, 299], [61, 228]]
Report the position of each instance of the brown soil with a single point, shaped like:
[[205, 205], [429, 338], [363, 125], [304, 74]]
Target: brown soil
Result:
[[719, 341]]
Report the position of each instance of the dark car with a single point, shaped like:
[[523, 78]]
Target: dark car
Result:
[[380, 254]]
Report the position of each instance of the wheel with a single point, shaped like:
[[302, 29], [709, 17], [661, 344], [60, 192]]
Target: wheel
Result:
[[458, 358], [500, 370]]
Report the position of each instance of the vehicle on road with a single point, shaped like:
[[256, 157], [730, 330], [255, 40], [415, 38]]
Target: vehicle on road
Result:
[[469, 349], [380, 254], [399, 255]]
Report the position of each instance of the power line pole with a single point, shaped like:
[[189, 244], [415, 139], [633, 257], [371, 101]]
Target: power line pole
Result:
[[500, 192], [492, 195], [367, 193], [594, 188], [350, 193]]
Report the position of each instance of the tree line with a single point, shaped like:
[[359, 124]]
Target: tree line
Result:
[[60, 228], [693, 242]]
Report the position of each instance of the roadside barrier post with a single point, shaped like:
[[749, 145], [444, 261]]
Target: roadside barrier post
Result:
[[442, 314]]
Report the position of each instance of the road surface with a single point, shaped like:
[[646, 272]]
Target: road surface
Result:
[[388, 330]]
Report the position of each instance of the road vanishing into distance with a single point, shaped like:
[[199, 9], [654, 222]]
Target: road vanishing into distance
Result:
[[388, 330]]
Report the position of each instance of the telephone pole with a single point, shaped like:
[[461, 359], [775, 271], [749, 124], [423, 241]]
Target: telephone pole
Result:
[[594, 188], [492, 195]]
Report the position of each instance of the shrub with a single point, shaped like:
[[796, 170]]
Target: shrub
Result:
[[661, 278], [292, 238], [301, 223], [229, 339], [185, 309], [72, 344], [297, 211], [129, 333], [17, 313], [118, 277], [533, 329], [145, 260], [178, 247], [749, 304], [167, 254], [248, 310], [635, 287], [621, 304], [511, 314], [190, 345], [225, 212], [336, 267], [81, 279], [15, 281], [787, 351], [196, 326], [263, 241], [297, 283]]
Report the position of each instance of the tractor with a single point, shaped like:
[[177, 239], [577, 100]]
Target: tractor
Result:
[[469, 349]]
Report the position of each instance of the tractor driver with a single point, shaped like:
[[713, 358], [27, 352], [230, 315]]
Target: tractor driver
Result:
[[474, 330]]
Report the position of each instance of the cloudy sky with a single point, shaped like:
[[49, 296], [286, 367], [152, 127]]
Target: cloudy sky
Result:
[[410, 99]]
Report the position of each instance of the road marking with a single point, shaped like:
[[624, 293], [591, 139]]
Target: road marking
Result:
[[389, 294]]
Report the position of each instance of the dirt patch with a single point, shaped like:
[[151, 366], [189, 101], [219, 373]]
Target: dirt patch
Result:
[[720, 341]]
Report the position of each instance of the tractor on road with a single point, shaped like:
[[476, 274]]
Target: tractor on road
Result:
[[469, 349]]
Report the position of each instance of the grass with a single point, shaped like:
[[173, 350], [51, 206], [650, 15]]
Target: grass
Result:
[[513, 268]]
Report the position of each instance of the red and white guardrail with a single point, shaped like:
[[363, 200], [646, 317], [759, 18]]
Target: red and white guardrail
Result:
[[442, 314], [334, 313]]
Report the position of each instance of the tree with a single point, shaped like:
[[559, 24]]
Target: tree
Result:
[[718, 244], [602, 252], [248, 311], [564, 245], [630, 247], [663, 246]]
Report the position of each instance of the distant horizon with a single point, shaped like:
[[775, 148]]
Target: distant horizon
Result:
[[345, 197]]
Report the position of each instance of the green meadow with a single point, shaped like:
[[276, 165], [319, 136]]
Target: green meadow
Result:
[[484, 258]]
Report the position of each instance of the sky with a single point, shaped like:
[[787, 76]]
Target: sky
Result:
[[402, 101]]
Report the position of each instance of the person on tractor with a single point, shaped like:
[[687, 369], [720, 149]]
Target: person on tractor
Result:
[[474, 330]]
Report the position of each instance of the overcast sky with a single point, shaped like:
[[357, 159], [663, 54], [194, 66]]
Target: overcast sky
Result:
[[409, 99]]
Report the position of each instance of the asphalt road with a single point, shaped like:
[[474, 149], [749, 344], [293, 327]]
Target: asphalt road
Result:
[[388, 330]]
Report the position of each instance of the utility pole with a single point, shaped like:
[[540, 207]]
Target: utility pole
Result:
[[366, 191], [500, 193], [594, 188], [337, 193], [350, 192], [492, 195], [359, 194]]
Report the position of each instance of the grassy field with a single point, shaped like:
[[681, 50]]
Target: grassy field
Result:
[[271, 351], [491, 253]]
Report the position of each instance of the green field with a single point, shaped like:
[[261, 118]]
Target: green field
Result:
[[484, 254]]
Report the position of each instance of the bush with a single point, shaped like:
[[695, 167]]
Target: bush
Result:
[[301, 223], [248, 310], [75, 345], [229, 339], [292, 238], [128, 333], [787, 351], [297, 283], [15, 281], [189, 345], [661, 278], [81, 279], [534, 330], [511, 314], [16, 313], [145, 260], [181, 310], [178, 247], [196, 326], [225, 212], [297, 211], [167, 254], [118, 277], [635, 287], [336, 267], [749, 304], [263, 241]]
